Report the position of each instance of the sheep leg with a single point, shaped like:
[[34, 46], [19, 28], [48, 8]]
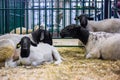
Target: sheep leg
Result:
[[56, 56], [10, 63], [36, 63], [94, 54]]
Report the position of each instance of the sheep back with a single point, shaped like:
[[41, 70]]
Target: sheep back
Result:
[[106, 45], [107, 25], [110, 48], [18, 30]]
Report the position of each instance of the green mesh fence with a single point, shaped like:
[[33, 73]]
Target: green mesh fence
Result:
[[54, 15]]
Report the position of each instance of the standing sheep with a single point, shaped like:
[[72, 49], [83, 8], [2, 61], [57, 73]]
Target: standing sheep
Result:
[[97, 44], [106, 25], [33, 54]]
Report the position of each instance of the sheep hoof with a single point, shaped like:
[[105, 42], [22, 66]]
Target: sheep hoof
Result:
[[34, 64], [10, 64], [88, 56], [58, 62]]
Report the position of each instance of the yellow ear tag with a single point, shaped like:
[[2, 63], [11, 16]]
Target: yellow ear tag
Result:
[[18, 46]]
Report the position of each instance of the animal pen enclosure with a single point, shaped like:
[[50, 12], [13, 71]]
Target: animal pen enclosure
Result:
[[55, 15]]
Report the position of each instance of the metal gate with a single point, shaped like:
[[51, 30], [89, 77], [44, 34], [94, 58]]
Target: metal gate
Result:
[[53, 14]]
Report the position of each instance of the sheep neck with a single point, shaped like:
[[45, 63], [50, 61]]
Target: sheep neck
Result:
[[36, 35], [83, 36], [25, 53]]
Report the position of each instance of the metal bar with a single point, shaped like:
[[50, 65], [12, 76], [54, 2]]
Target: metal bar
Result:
[[2, 16], [3, 30], [64, 14], [95, 9], [20, 17], [83, 5], [115, 10], [102, 10], [52, 15], [39, 14], [76, 10], [14, 22], [26, 15], [45, 14], [58, 18], [110, 9], [89, 9], [33, 14], [70, 11], [7, 16], [106, 9]]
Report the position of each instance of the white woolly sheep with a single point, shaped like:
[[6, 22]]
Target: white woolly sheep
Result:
[[97, 44], [106, 25], [33, 54]]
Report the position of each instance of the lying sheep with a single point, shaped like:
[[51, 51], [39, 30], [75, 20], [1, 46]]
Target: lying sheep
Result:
[[23, 29], [33, 54], [106, 25], [41, 35], [12, 39], [97, 44]]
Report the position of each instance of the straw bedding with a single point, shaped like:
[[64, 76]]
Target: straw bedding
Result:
[[74, 67]]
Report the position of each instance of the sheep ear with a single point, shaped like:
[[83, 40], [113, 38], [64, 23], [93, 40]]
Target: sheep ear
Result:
[[42, 36], [33, 44], [90, 18], [18, 45]]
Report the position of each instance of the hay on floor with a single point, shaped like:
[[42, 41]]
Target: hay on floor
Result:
[[74, 67]]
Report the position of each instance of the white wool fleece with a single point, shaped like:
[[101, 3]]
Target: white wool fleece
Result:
[[106, 25], [40, 54], [103, 45]]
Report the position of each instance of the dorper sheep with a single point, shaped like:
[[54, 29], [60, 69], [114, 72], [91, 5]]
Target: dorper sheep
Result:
[[97, 44], [106, 25], [33, 54], [10, 41]]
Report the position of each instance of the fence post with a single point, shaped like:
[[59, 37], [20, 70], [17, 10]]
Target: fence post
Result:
[[6, 16], [106, 8]]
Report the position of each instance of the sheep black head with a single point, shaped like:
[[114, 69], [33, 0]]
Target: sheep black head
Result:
[[83, 20], [25, 46], [75, 31], [66, 31], [41, 35]]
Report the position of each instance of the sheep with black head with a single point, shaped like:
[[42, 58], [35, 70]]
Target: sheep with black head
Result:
[[41, 35], [107, 25], [97, 44]]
